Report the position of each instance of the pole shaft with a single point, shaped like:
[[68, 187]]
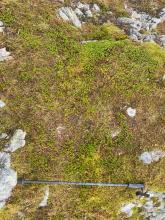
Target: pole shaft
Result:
[[129, 185]]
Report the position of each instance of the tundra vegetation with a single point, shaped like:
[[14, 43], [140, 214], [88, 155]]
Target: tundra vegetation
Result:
[[70, 97]]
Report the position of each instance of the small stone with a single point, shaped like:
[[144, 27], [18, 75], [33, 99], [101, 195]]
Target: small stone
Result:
[[17, 141], [89, 14], [128, 209], [96, 8], [85, 7], [115, 132], [4, 54], [78, 12], [152, 156], [2, 29], [44, 202], [131, 112], [163, 76], [21, 215], [2, 104], [60, 129]]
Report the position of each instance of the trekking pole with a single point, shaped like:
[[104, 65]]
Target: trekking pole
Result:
[[129, 185]]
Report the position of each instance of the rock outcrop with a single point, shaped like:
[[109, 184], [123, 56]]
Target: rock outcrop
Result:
[[152, 207], [78, 12], [142, 26]]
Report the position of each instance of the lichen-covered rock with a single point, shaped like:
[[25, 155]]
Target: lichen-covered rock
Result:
[[79, 12], [142, 26], [8, 180], [152, 156], [67, 14], [16, 141]]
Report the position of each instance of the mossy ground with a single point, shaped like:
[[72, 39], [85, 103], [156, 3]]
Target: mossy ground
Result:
[[54, 81]]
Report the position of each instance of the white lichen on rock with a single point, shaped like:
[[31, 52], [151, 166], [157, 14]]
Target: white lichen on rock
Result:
[[16, 141], [44, 202], [152, 156], [4, 54]]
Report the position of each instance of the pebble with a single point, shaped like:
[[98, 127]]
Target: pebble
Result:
[[4, 54], [131, 112]]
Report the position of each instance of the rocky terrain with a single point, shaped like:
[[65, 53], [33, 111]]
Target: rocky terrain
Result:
[[82, 99]]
